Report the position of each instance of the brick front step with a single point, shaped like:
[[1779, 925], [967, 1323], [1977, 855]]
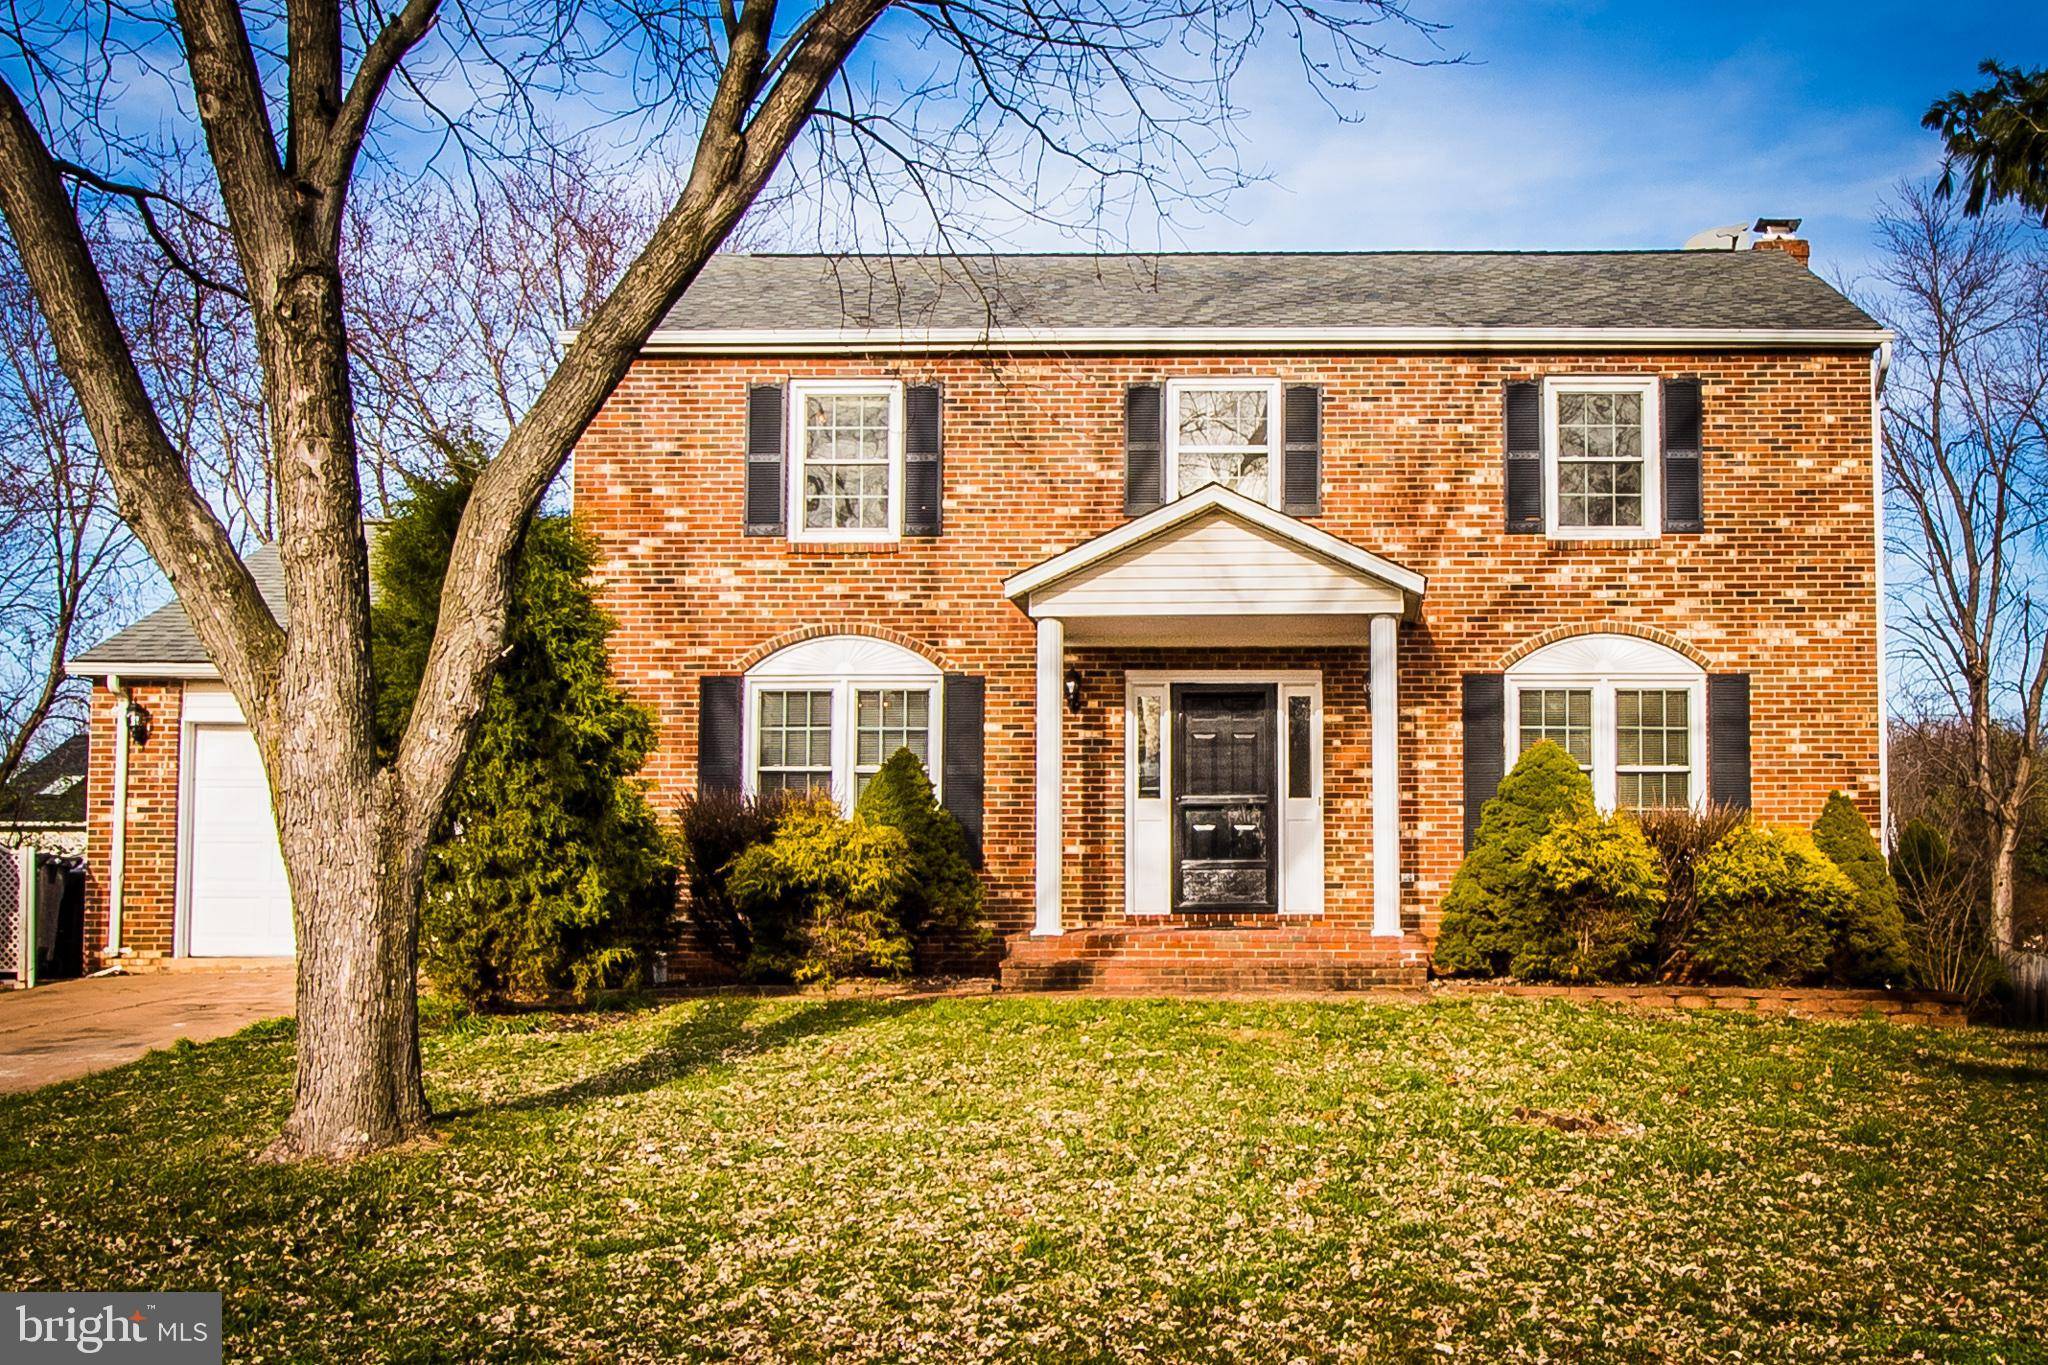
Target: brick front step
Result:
[[1174, 959]]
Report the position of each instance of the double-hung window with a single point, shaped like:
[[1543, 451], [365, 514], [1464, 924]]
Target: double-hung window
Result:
[[1631, 713], [1601, 451], [1223, 431], [886, 719], [1562, 715], [846, 467], [794, 740]]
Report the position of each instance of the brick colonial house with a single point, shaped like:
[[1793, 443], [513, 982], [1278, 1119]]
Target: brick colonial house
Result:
[[1217, 591]]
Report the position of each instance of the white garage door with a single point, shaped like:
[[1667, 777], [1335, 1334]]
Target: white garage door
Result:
[[237, 901]]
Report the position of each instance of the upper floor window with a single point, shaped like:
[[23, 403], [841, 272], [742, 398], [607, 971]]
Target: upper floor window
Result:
[[1632, 714], [1600, 457], [1223, 431], [846, 443]]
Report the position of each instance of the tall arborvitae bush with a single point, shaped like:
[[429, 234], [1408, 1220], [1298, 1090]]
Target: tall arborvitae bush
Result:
[[550, 873], [1492, 898], [942, 902], [1870, 941]]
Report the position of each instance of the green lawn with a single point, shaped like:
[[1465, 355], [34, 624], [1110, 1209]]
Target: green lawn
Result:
[[1031, 1178]]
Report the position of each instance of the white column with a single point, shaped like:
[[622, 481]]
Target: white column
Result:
[[1052, 657], [1386, 779]]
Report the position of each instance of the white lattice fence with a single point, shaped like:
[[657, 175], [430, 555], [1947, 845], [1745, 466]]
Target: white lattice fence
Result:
[[10, 916]]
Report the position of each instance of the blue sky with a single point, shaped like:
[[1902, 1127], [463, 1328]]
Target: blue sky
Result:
[[1587, 124]]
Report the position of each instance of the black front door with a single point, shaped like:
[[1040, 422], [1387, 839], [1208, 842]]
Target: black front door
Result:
[[1223, 788]]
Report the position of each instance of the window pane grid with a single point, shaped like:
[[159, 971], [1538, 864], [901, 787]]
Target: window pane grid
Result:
[[795, 742], [1223, 436], [1564, 716], [846, 461], [1600, 461], [885, 720], [1652, 748]]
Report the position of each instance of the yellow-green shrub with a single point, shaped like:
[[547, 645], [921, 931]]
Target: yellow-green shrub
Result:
[[840, 883], [1597, 885], [1768, 900]]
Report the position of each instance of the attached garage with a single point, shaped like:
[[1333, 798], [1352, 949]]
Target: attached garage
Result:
[[182, 857], [234, 900]]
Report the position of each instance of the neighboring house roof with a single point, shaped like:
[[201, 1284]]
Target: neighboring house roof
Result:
[[1248, 299], [49, 792], [163, 643]]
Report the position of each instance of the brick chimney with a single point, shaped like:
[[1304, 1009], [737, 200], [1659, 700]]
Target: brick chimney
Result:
[[1779, 234]]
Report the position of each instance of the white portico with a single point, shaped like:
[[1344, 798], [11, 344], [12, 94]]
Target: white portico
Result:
[[1223, 792]]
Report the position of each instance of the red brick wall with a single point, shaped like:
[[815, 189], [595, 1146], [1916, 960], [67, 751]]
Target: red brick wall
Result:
[[1781, 586], [150, 881]]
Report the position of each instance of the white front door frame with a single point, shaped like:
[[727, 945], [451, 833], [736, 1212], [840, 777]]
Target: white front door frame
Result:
[[1297, 834]]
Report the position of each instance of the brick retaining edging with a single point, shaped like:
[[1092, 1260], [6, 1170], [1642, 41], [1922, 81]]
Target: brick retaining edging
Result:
[[1798, 1002]]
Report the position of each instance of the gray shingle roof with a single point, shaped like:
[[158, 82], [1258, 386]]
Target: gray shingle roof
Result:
[[165, 636], [1688, 289]]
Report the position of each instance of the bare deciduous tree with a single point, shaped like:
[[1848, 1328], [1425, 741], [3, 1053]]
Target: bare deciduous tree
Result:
[[1094, 100], [456, 313], [1966, 470], [65, 557]]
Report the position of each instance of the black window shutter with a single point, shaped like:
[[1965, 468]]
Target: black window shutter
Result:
[[1728, 739], [966, 706], [1486, 744], [1525, 457], [721, 752], [921, 460], [764, 460], [1682, 455], [1301, 480], [1144, 448]]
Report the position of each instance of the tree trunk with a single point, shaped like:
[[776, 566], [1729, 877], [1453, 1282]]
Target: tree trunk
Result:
[[356, 910], [2003, 861]]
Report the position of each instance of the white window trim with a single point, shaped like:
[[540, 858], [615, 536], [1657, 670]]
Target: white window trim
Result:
[[1160, 683], [799, 389], [1603, 687], [1653, 455], [845, 739], [1276, 416]]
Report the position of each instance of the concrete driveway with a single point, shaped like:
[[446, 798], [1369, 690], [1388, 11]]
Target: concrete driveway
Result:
[[70, 1028]]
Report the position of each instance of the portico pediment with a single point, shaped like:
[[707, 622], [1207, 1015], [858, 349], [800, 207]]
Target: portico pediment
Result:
[[1217, 568]]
